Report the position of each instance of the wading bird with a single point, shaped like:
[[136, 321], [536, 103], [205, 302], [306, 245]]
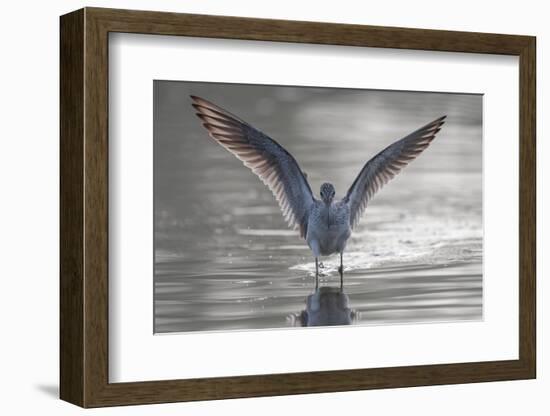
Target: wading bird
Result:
[[325, 224]]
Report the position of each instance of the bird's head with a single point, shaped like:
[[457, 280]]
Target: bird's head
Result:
[[327, 192]]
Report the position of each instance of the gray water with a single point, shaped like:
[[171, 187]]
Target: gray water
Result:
[[224, 257]]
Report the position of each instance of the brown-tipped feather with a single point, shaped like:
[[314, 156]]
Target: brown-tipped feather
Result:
[[264, 156], [386, 165]]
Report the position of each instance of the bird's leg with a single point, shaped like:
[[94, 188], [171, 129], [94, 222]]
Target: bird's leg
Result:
[[341, 270], [316, 273]]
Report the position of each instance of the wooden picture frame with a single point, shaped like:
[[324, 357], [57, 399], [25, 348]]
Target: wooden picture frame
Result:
[[84, 207]]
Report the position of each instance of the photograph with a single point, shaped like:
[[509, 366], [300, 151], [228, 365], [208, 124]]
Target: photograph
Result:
[[291, 206]]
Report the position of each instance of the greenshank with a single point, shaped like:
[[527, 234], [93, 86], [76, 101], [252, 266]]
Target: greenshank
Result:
[[324, 223]]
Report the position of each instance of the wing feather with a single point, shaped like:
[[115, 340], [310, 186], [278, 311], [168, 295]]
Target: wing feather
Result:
[[385, 165], [265, 157]]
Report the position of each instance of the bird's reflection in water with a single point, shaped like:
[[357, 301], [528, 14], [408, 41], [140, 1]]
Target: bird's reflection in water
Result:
[[326, 306]]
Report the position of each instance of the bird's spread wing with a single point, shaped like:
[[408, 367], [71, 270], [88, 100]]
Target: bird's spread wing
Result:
[[385, 165], [265, 157]]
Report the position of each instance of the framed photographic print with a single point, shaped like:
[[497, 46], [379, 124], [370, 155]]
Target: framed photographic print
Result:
[[255, 207]]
